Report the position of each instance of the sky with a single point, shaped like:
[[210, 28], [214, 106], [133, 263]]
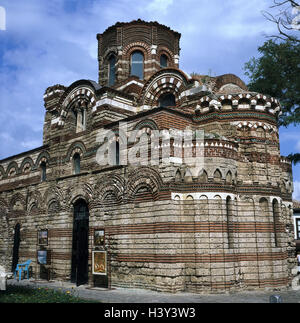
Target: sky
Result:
[[54, 42]]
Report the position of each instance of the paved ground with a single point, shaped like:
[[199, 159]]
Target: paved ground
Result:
[[124, 295]]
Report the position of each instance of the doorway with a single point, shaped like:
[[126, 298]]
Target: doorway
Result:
[[17, 240], [80, 244]]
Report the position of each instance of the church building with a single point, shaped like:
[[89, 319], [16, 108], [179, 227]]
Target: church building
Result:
[[114, 199]]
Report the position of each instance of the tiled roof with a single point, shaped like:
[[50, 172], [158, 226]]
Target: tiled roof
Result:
[[139, 21]]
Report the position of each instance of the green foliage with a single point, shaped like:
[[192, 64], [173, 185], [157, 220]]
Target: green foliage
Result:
[[277, 73], [295, 158], [20, 294]]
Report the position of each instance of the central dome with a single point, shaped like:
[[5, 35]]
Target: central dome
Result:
[[136, 49]]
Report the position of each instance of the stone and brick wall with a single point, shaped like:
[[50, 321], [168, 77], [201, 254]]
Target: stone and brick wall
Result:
[[226, 227]]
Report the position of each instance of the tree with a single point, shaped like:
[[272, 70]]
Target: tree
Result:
[[277, 73], [286, 18]]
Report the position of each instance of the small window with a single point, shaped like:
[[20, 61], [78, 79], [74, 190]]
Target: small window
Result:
[[76, 163], [167, 100], [163, 61], [178, 176], [275, 208], [117, 153], [112, 70], [137, 64], [74, 118], [79, 117], [43, 172], [114, 154]]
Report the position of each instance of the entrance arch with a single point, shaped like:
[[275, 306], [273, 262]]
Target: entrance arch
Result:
[[80, 244]]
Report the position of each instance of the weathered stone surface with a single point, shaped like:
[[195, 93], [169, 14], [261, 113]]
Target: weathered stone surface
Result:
[[2, 278], [225, 227]]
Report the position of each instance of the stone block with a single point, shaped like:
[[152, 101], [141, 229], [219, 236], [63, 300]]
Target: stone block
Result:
[[2, 278]]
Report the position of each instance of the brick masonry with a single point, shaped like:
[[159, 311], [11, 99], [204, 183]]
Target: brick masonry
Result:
[[227, 227]]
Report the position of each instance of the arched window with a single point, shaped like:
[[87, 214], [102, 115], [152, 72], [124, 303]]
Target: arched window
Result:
[[76, 163], [112, 70], [229, 220], [244, 103], [114, 154], [275, 208], [137, 64], [264, 206], [228, 179], [203, 178], [43, 171], [54, 207], [163, 61], [226, 104], [79, 114], [143, 194], [260, 102], [167, 100], [117, 153], [188, 176], [178, 176], [217, 176]]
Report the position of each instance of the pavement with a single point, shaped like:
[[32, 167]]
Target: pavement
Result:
[[133, 295]]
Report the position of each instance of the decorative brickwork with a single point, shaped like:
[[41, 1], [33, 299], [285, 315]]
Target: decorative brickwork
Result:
[[226, 226]]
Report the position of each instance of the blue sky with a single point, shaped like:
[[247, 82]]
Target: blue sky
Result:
[[54, 42]]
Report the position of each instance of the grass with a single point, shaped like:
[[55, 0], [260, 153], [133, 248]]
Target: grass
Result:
[[21, 294]]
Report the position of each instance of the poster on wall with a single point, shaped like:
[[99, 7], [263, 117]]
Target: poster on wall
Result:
[[99, 262], [99, 238], [42, 257], [43, 237]]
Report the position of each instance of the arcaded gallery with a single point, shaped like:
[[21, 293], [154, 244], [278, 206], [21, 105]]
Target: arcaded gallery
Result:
[[225, 225]]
